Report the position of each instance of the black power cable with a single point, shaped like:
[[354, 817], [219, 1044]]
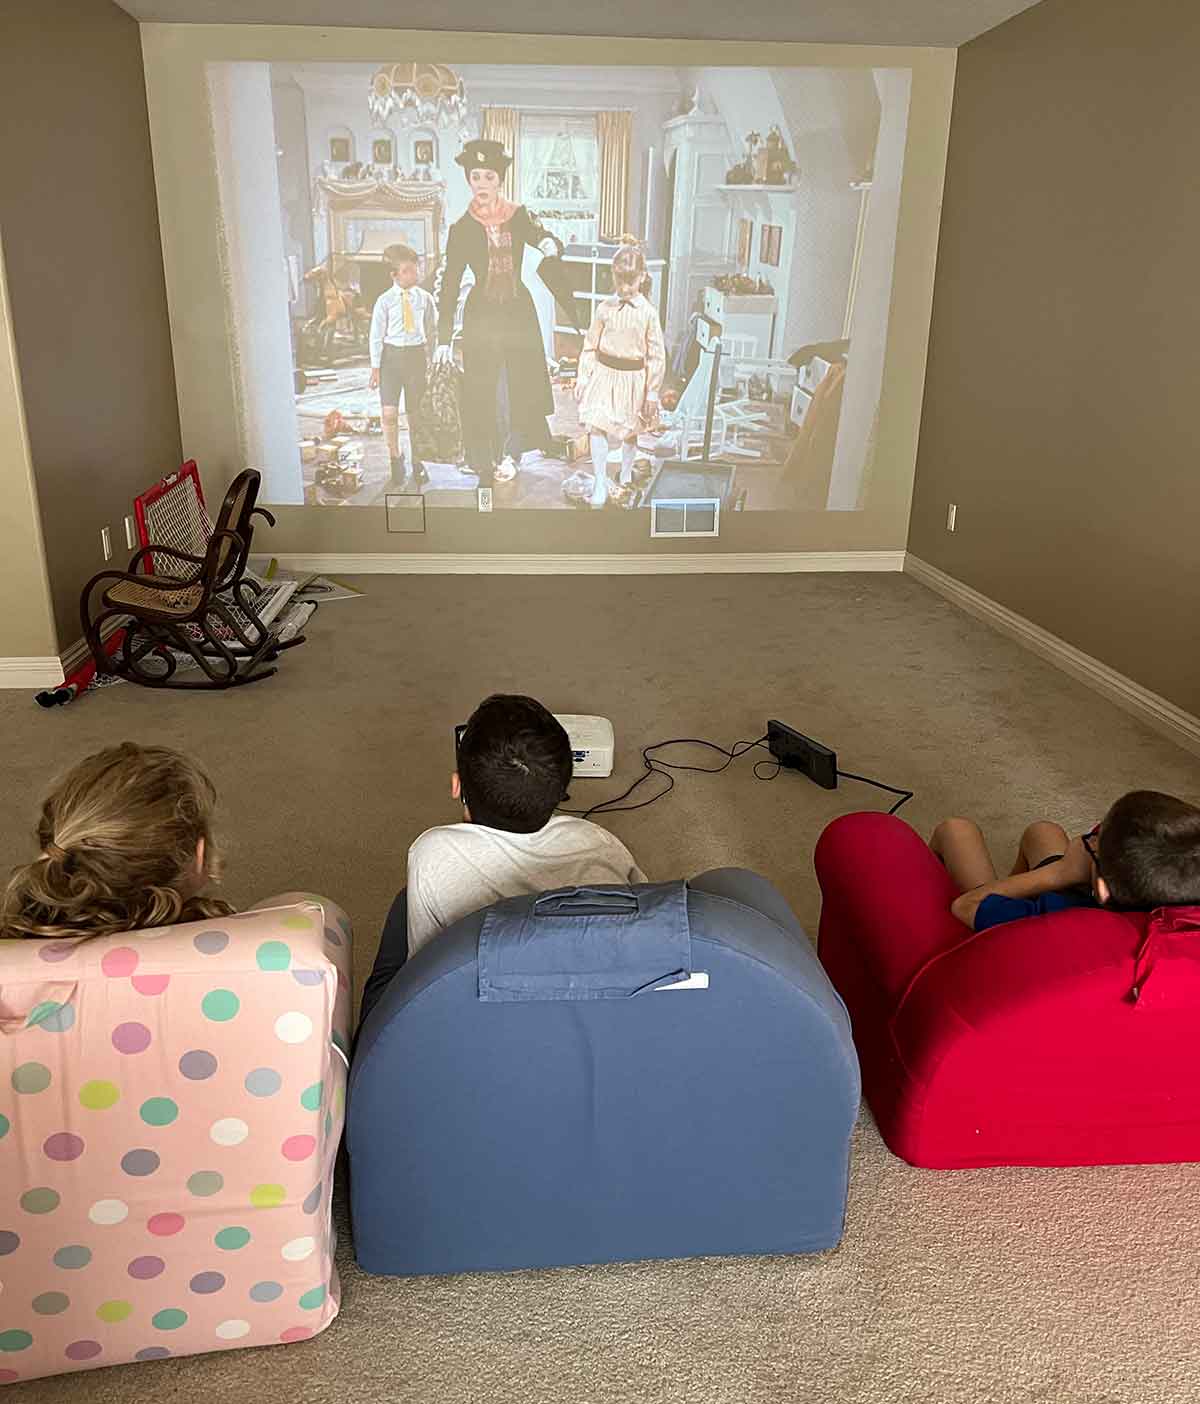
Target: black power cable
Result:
[[905, 795], [653, 765]]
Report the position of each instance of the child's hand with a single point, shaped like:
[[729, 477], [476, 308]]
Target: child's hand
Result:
[[373, 383]]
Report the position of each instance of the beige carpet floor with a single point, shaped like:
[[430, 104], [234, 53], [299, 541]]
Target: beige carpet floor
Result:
[[1011, 1285]]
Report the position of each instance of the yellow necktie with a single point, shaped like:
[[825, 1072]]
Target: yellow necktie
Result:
[[409, 324]]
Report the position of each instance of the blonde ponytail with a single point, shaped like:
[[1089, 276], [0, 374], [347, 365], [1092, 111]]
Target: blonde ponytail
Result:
[[119, 836]]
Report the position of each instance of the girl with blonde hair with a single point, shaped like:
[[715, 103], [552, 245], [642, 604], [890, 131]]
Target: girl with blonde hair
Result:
[[126, 844], [621, 368]]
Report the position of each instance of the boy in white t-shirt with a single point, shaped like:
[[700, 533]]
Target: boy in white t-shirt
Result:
[[514, 766]]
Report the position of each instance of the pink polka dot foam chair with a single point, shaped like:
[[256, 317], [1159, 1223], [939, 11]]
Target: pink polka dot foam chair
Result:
[[171, 1103]]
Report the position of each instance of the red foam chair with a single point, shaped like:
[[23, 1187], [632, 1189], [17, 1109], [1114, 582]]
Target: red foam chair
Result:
[[1069, 1039]]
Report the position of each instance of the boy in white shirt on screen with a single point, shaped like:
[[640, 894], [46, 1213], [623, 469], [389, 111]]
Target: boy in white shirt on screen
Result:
[[403, 332], [514, 765]]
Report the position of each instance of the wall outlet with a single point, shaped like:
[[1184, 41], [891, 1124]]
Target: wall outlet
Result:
[[130, 539], [951, 516], [795, 751], [485, 499], [106, 543]]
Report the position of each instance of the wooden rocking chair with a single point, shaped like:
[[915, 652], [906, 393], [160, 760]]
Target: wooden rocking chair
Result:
[[196, 606]]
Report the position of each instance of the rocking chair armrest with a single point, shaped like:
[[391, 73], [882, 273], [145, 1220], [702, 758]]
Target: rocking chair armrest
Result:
[[262, 512], [163, 551]]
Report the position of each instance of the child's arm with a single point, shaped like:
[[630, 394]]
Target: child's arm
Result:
[[587, 357], [1073, 868], [378, 319]]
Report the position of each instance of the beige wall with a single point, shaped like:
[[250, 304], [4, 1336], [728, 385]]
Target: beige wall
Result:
[[189, 209], [89, 314], [1064, 364], [26, 619]]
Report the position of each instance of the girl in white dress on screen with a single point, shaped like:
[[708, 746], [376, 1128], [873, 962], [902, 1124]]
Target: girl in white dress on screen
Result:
[[621, 368]]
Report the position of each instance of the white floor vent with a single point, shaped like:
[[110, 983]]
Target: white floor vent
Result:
[[685, 516]]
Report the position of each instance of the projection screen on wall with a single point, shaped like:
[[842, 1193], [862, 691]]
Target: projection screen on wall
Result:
[[577, 286]]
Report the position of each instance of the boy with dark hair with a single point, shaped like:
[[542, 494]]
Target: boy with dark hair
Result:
[[1144, 853], [514, 766], [402, 335]]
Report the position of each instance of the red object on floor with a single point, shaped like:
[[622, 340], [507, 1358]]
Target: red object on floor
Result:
[[1068, 1039]]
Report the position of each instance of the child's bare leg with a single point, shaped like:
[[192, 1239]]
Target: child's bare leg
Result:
[[959, 843], [390, 415], [1041, 840]]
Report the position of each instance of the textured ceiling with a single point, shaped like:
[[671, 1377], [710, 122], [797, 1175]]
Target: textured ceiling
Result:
[[919, 22]]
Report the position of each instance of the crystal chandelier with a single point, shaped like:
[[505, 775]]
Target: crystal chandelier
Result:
[[428, 93]]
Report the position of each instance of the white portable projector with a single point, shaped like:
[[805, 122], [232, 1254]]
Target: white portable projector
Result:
[[592, 745]]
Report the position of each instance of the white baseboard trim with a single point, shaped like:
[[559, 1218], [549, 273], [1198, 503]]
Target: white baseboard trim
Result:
[[1165, 717], [73, 656], [634, 563], [30, 672]]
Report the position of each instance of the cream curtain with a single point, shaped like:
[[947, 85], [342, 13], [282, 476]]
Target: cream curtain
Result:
[[615, 130], [500, 124]]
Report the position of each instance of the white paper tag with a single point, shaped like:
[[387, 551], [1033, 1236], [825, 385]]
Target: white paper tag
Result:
[[697, 980]]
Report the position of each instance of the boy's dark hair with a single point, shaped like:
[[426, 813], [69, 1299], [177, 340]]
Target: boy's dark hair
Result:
[[514, 764], [396, 254], [1149, 852]]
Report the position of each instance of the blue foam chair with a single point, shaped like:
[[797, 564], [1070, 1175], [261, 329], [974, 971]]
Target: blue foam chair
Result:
[[529, 1091]]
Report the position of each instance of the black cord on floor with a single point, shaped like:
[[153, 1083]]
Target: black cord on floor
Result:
[[905, 795], [653, 765]]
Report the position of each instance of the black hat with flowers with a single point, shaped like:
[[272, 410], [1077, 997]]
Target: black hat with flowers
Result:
[[484, 155]]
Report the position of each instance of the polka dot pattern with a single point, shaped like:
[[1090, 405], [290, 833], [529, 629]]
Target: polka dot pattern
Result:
[[220, 1006], [263, 1082], [204, 1183], [30, 1079], [107, 1212], [293, 1027], [119, 963], [198, 1064], [229, 1131], [273, 955], [267, 1196], [140, 1162], [211, 943], [158, 1111], [131, 1038], [179, 1117], [99, 1095], [41, 1200], [150, 984], [63, 1146], [52, 1017]]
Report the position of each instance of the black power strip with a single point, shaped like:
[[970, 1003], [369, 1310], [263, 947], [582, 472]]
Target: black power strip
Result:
[[795, 751]]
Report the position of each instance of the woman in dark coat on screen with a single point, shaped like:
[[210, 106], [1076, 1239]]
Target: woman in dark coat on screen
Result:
[[506, 393]]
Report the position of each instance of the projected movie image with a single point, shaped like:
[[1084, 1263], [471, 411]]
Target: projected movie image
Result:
[[580, 288]]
